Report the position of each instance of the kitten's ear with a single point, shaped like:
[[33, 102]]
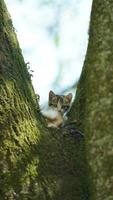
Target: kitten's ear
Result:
[[51, 94], [69, 97]]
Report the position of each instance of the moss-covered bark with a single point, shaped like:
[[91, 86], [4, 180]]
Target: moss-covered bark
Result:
[[35, 163], [94, 103]]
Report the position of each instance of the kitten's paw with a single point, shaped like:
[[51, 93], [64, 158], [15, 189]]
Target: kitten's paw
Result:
[[52, 126]]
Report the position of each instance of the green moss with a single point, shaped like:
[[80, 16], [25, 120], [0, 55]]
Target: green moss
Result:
[[94, 100], [35, 162]]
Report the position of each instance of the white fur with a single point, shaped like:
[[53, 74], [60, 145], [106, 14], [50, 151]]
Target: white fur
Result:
[[50, 113], [57, 119], [55, 116]]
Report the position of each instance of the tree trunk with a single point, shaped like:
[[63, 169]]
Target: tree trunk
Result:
[[36, 163], [94, 103]]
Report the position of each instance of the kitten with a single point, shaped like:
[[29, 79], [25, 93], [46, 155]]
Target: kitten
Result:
[[59, 105]]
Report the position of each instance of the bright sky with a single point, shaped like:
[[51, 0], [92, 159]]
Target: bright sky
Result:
[[37, 26]]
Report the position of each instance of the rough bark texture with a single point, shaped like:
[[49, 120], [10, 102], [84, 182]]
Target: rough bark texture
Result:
[[35, 163], [94, 102]]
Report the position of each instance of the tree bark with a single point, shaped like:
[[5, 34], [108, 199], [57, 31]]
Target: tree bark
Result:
[[35, 162], [93, 106]]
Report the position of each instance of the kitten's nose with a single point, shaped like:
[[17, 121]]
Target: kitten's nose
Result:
[[59, 110], [62, 111], [59, 106]]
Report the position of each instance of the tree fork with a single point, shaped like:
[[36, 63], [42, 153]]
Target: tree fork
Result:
[[35, 162]]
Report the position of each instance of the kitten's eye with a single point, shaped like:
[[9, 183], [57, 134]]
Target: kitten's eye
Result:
[[53, 104], [65, 107]]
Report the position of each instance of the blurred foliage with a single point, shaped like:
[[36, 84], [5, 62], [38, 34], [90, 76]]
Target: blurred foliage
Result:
[[54, 20]]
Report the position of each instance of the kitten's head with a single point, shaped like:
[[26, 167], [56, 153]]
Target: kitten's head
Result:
[[61, 103]]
